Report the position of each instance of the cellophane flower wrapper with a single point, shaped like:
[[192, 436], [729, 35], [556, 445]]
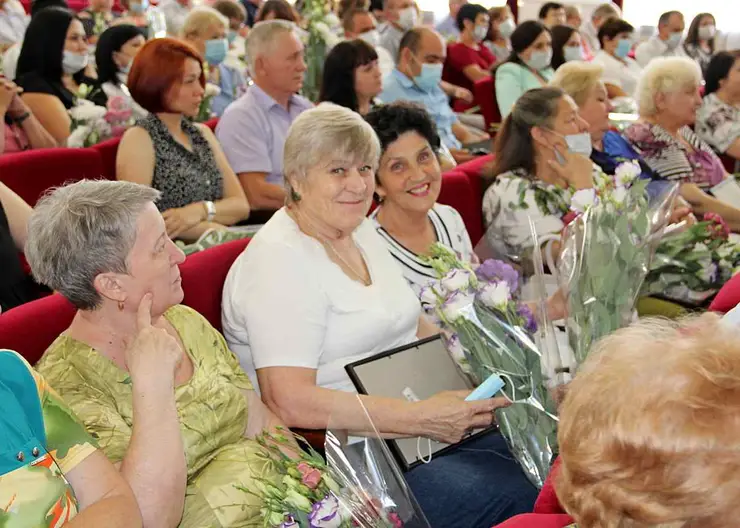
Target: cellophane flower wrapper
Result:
[[604, 259], [495, 335]]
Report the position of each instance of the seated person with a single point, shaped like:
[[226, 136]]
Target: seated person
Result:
[[502, 26], [666, 42], [621, 72], [22, 131], [552, 14], [349, 301], [447, 27], [417, 78], [600, 14], [206, 30], [361, 24], [237, 16], [351, 76], [400, 16], [114, 55], [175, 12], [573, 16], [634, 450], [139, 369], [527, 67], [13, 23], [144, 16], [718, 118], [53, 472], [566, 46], [252, 130], [468, 60], [668, 98], [277, 10], [700, 39], [181, 159], [96, 18], [51, 69]]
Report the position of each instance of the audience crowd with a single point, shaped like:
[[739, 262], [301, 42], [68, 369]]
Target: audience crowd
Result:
[[146, 415]]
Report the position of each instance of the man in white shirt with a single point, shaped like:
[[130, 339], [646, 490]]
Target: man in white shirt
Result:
[[400, 16], [667, 42], [360, 24], [590, 30], [448, 26], [175, 12]]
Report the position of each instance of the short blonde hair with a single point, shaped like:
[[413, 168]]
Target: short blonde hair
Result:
[[325, 133], [578, 79], [650, 428], [200, 20], [665, 75]]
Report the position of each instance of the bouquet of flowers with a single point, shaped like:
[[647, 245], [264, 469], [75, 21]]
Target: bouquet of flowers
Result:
[[492, 334], [693, 265], [204, 110], [92, 124], [606, 252], [320, 40], [312, 494]]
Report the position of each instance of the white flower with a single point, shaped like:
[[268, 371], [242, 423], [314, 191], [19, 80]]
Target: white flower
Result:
[[727, 250], [455, 303], [429, 296], [212, 90], [295, 499], [626, 173], [495, 294], [455, 280], [85, 112], [78, 136], [582, 200], [454, 347], [619, 194], [708, 273], [325, 513], [700, 247]]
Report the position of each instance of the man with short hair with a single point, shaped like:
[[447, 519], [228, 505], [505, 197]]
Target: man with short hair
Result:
[[175, 13], [400, 16], [448, 26], [360, 24], [666, 43], [573, 16], [590, 30], [417, 78], [253, 128], [552, 14]]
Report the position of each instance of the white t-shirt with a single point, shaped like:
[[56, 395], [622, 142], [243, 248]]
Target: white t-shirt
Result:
[[450, 230], [617, 73], [286, 304]]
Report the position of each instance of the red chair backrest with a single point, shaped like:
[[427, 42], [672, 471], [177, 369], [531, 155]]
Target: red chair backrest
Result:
[[108, 150], [485, 97], [211, 123], [30, 174], [728, 297], [457, 192]]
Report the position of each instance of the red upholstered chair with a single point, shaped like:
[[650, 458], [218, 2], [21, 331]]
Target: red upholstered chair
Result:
[[458, 192], [211, 123], [547, 500], [108, 151], [474, 170], [32, 173], [728, 297], [485, 97]]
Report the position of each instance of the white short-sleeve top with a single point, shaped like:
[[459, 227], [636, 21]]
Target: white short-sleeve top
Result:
[[286, 304]]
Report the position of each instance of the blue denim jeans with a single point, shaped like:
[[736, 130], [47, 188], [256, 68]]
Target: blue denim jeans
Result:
[[477, 485]]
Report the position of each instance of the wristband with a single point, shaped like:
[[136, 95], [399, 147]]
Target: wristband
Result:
[[210, 210]]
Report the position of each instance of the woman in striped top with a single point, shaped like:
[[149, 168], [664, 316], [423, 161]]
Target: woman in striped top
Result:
[[668, 97], [408, 182]]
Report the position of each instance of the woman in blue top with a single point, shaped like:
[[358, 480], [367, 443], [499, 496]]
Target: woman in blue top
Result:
[[527, 67]]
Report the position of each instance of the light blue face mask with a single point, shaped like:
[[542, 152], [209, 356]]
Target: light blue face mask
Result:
[[572, 53], [507, 27], [540, 60], [674, 40], [623, 48], [231, 36], [577, 144], [138, 9], [216, 50], [430, 76]]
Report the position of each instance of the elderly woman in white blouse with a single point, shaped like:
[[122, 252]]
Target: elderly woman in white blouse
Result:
[[317, 289]]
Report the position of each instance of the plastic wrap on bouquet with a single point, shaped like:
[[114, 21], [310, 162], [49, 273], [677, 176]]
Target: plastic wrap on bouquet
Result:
[[370, 489], [604, 259]]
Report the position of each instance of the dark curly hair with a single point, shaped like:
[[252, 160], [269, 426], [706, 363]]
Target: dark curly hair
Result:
[[391, 121], [338, 78]]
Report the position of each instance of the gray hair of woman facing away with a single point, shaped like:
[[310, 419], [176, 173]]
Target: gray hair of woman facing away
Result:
[[514, 147], [81, 230], [665, 75], [324, 134], [261, 39]]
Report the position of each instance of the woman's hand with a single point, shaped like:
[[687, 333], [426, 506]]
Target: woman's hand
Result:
[[153, 355], [463, 94], [446, 417], [181, 219], [576, 169], [8, 93]]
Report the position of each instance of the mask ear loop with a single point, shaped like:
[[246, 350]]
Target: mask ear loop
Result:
[[428, 458]]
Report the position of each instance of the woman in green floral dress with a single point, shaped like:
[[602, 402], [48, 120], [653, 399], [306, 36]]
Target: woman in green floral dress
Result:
[[151, 380]]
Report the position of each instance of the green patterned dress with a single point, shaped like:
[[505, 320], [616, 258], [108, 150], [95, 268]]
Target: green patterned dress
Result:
[[213, 418]]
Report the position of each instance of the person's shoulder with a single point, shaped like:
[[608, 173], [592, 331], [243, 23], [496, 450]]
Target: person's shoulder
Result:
[[302, 102], [12, 364], [34, 82], [447, 213]]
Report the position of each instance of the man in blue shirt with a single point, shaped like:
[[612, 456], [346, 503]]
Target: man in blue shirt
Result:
[[448, 25], [417, 78]]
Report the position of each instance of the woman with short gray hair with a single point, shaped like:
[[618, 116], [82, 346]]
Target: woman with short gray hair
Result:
[[150, 379], [317, 289], [668, 97]]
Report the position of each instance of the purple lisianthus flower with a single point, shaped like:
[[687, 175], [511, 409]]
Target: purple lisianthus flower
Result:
[[289, 522], [494, 270], [530, 325], [325, 513]]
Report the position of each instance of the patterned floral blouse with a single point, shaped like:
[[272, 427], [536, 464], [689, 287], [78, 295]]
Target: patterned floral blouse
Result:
[[718, 123], [213, 417], [42, 440]]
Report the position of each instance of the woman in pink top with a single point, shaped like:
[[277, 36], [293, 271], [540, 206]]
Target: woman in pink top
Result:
[[22, 130]]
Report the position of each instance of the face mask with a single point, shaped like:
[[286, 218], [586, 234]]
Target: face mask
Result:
[[623, 48], [372, 37], [122, 78], [707, 32], [407, 18], [125, 69], [216, 50], [674, 40], [430, 76], [572, 53], [73, 62], [506, 28], [577, 144], [539, 60], [480, 33], [231, 36], [138, 9]]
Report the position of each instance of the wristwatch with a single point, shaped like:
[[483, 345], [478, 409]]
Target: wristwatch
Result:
[[210, 210], [21, 118]]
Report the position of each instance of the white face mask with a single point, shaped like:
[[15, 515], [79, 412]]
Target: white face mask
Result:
[[480, 33], [579, 143], [707, 32], [372, 37], [506, 28], [572, 53], [73, 62], [674, 40], [407, 18]]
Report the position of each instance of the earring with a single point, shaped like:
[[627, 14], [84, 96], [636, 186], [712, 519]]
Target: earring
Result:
[[294, 195], [120, 306]]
